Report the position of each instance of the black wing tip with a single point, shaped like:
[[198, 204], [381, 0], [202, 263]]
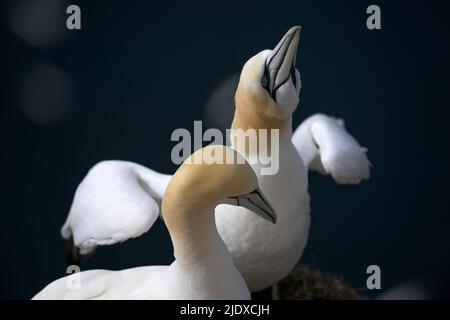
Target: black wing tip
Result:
[[73, 256]]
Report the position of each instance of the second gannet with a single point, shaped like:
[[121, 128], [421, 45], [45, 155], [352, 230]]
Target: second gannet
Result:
[[266, 98], [203, 267]]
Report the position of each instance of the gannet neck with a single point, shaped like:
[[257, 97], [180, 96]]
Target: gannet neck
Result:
[[248, 115], [194, 235], [192, 194]]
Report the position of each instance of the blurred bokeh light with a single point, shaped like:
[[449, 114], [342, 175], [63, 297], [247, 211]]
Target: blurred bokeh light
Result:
[[219, 108], [46, 95], [38, 23]]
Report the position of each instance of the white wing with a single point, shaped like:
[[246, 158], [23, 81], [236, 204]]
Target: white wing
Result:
[[116, 201], [327, 147], [86, 285]]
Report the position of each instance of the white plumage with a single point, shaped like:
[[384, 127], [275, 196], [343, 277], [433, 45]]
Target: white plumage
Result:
[[327, 147], [116, 201]]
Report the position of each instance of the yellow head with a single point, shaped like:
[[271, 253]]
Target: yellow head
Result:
[[270, 84], [197, 186]]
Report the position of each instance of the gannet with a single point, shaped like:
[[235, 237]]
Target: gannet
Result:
[[203, 267], [266, 98]]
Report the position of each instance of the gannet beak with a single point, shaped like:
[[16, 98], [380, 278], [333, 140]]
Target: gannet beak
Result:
[[256, 201], [280, 63]]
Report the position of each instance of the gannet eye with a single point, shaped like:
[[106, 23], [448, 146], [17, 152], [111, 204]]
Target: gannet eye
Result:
[[264, 81]]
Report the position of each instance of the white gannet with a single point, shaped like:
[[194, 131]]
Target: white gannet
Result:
[[266, 98], [203, 267]]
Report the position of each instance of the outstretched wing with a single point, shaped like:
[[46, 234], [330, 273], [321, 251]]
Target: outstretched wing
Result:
[[116, 201], [325, 146]]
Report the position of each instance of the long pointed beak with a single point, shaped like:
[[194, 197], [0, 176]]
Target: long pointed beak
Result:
[[281, 60], [256, 201]]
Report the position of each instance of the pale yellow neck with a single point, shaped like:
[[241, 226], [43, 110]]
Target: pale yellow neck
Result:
[[193, 232], [247, 117]]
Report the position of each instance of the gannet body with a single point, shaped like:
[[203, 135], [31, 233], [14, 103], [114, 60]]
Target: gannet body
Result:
[[203, 267], [266, 98], [264, 256]]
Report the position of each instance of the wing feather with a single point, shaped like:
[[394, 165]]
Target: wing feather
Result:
[[325, 146], [116, 201]]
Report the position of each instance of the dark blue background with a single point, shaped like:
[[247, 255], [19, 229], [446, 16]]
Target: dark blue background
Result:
[[142, 69]]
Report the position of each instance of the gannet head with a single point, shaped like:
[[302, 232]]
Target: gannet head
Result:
[[198, 183], [270, 84]]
